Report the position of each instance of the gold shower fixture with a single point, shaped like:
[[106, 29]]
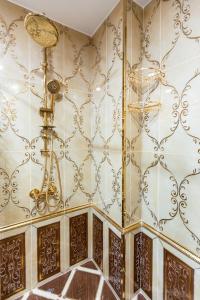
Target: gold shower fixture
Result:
[[42, 30], [49, 196]]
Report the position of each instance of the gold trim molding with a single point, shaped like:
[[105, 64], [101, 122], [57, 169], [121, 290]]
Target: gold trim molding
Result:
[[140, 224], [164, 238], [128, 229], [111, 221], [58, 214], [171, 242], [132, 227], [44, 218], [124, 83]]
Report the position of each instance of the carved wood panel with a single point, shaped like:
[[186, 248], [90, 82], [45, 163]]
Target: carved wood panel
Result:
[[98, 241], [178, 279], [78, 238], [48, 240], [12, 265], [143, 247], [115, 262]]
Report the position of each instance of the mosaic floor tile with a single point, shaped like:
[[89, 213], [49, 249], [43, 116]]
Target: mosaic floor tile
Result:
[[141, 297], [56, 286], [77, 284], [89, 265], [107, 293], [84, 285], [36, 297]]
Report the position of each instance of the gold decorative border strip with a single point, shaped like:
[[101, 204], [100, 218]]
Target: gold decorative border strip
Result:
[[164, 238], [172, 243], [58, 214], [124, 136], [132, 227], [124, 38], [44, 218], [141, 224], [111, 221], [123, 231]]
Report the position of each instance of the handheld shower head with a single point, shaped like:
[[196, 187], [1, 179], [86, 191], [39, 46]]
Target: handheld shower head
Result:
[[53, 86]]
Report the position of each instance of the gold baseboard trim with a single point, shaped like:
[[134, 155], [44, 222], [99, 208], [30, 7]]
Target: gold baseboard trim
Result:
[[111, 221], [44, 218], [58, 214], [132, 227], [123, 231], [172, 243], [158, 234], [164, 238]]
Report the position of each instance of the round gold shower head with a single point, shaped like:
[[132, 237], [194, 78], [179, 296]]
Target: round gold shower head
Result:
[[41, 29], [53, 86]]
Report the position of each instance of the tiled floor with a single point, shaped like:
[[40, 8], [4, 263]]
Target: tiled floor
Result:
[[141, 297], [84, 282]]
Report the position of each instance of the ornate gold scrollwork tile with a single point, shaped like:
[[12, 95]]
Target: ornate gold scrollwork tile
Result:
[[12, 260]]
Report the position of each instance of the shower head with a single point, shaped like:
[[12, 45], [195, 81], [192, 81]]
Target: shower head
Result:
[[41, 29], [53, 86]]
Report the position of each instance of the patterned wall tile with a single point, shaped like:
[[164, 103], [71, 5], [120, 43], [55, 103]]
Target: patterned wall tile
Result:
[[78, 238], [81, 141], [12, 265], [48, 241], [115, 262], [178, 279], [143, 247], [106, 114], [98, 241], [168, 35], [133, 143]]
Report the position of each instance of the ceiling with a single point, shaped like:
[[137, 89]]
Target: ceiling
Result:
[[85, 16], [142, 3]]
